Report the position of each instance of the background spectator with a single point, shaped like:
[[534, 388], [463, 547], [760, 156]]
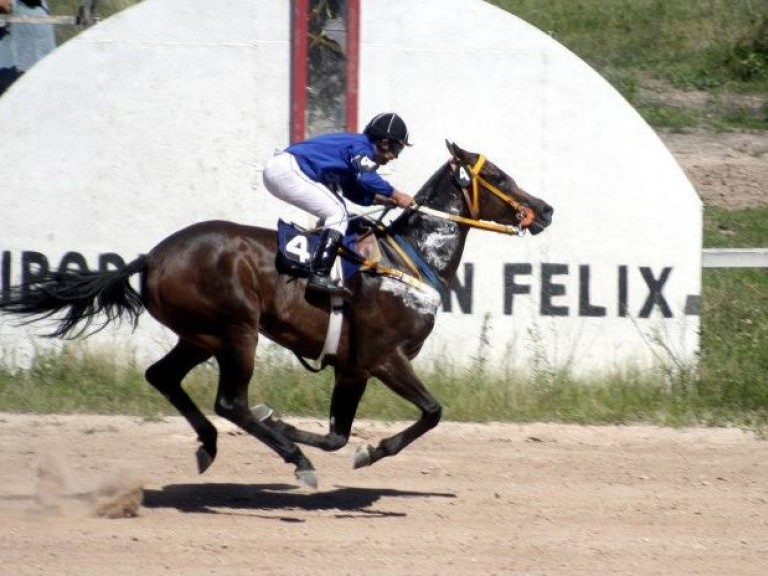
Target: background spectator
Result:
[[21, 44]]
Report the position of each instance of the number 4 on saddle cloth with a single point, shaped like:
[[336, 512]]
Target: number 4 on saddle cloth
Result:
[[367, 247]]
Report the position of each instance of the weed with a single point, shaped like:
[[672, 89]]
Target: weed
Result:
[[718, 45]]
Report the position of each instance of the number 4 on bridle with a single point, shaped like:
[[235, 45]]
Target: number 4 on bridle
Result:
[[216, 285]]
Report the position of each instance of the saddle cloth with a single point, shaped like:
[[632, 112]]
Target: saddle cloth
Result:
[[366, 246], [296, 246]]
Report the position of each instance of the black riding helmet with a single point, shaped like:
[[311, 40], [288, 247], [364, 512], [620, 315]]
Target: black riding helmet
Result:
[[390, 126]]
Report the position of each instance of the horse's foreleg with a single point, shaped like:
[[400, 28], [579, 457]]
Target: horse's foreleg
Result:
[[347, 392], [166, 376], [235, 371], [398, 375]]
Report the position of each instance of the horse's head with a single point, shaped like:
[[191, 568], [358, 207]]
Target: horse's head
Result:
[[493, 196]]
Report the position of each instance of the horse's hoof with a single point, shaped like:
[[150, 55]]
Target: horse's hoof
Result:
[[363, 457], [204, 459], [261, 412], [307, 478]]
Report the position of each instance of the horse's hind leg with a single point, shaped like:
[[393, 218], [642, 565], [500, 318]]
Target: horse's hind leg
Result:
[[166, 375], [398, 375], [235, 371], [347, 392]]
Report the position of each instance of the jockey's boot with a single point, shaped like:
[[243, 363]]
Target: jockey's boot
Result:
[[322, 263]]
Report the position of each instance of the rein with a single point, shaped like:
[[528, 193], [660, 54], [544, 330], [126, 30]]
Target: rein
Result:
[[419, 274], [525, 215]]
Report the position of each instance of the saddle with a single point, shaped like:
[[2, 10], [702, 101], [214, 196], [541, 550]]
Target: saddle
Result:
[[367, 247]]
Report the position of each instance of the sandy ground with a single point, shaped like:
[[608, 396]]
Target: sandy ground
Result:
[[93, 495], [466, 499], [729, 170]]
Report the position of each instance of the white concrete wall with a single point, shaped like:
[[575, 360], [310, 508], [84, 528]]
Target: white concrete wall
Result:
[[164, 114], [470, 72]]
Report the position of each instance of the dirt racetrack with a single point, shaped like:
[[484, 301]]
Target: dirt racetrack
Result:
[[728, 169], [466, 499]]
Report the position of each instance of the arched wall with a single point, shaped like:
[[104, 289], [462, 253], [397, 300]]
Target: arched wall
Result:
[[164, 114]]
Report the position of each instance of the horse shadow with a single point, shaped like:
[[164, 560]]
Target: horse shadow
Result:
[[218, 498]]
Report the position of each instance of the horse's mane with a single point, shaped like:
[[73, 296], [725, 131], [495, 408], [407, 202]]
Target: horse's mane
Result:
[[421, 197]]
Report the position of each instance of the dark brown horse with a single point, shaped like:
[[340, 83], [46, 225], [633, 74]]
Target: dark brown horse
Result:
[[215, 284]]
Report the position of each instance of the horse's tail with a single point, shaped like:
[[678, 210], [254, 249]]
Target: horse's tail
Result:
[[81, 296]]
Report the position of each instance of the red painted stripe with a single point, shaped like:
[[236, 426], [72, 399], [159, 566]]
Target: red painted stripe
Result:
[[299, 71], [353, 63]]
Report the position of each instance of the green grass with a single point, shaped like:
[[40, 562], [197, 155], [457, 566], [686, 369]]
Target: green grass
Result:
[[718, 46], [734, 337], [77, 379], [734, 229], [676, 36]]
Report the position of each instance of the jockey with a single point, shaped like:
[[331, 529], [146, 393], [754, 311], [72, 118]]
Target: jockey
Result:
[[314, 175]]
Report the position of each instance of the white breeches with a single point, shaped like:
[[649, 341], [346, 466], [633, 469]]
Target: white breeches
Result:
[[285, 180]]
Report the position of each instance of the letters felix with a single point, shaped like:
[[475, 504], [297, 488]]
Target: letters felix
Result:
[[520, 280]]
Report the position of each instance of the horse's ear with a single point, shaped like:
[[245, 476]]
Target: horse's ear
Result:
[[456, 152]]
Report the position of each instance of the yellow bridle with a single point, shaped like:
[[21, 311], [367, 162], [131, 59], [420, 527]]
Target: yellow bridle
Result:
[[473, 203]]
